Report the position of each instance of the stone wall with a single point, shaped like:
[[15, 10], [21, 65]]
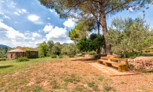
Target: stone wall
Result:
[[15, 55]]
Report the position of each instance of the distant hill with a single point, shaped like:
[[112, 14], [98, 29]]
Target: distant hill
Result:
[[1, 45]]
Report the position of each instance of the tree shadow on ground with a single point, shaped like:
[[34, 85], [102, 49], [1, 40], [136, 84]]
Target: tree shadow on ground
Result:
[[6, 66]]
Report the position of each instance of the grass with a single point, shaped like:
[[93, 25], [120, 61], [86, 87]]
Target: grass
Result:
[[107, 88], [11, 66], [53, 56], [122, 82], [101, 78], [54, 84]]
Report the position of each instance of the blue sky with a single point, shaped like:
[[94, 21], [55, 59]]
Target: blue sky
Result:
[[27, 22]]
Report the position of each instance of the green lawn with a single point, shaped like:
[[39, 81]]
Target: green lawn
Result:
[[11, 66]]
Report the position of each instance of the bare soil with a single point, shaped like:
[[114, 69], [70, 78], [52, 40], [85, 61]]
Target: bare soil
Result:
[[73, 75]]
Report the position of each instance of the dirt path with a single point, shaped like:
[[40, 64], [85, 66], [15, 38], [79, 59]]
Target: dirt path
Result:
[[73, 75]]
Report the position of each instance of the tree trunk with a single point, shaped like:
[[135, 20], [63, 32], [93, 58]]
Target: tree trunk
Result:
[[98, 25], [99, 50], [104, 30]]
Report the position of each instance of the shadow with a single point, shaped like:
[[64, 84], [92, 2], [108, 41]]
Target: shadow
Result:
[[6, 66], [148, 72]]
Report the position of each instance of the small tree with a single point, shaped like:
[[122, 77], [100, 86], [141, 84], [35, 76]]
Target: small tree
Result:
[[43, 49], [69, 49], [91, 44], [57, 48], [50, 45]]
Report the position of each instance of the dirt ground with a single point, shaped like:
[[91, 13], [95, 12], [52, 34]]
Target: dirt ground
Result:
[[73, 75]]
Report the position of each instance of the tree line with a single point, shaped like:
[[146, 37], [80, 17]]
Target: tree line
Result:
[[50, 48]]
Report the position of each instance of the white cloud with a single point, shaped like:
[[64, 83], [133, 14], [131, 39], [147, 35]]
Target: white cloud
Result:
[[56, 33], [69, 23], [130, 9], [6, 17], [53, 11], [34, 34], [12, 37], [35, 19], [24, 10], [48, 28], [48, 18], [11, 4], [16, 13], [11, 33]]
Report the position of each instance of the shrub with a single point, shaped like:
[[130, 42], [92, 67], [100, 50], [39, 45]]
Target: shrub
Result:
[[134, 55], [53, 56], [22, 59], [71, 56], [2, 59], [92, 53], [60, 56]]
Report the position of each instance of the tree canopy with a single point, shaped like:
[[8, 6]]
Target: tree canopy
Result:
[[91, 44], [129, 35], [93, 9]]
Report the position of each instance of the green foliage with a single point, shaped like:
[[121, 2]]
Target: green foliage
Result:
[[50, 45], [80, 30], [71, 56], [57, 48], [22, 59], [92, 53], [37, 89], [2, 59], [129, 35], [91, 44], [107, 88], [86, 7], [60, 56], [134, 55], [92, 9], [101, 78], [43, 49], [27, 49], [3, 52], [54, 84], [93, 86], [69, 49], [53, 56]]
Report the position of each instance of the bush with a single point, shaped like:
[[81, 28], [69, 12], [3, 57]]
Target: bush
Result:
[[22, 59], [71, 56], [134, 55], [53, 56], [2, 59], [60, 56], [92, 53]]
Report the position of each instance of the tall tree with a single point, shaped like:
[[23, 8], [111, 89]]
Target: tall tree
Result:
[[98, 9]]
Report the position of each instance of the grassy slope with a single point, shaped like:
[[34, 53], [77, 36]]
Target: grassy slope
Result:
[[12, 66]]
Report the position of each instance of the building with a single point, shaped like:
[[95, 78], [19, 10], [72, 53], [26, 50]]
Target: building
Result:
[[22, 52]]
